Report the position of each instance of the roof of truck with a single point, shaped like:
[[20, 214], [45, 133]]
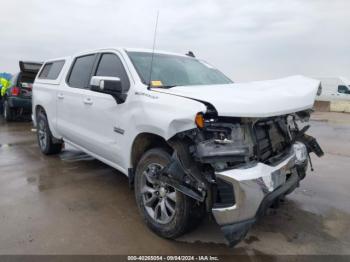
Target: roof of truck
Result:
[[130, 49], [58, 59], [150, 51], [145, 50]]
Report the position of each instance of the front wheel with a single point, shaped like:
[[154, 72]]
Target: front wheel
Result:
[[167, 212]]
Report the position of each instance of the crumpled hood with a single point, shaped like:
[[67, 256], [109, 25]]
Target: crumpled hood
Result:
[[254, 99]]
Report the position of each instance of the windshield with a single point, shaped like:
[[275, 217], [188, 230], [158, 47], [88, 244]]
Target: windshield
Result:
[[172, 70]]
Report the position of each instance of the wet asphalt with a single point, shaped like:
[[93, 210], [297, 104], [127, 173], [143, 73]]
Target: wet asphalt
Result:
[[74, 204]]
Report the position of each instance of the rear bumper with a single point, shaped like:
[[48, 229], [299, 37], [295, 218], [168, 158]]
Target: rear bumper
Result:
[[19, 102], [255, 189]]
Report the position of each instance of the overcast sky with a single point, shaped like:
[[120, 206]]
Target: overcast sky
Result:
[[247, 40]]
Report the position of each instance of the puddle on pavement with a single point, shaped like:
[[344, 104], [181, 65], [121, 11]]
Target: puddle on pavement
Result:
[[69, 167], [300, 228], [22, 143], [288, 226]]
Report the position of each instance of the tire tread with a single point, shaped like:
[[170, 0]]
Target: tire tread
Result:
[[185, 218], [51, 147]]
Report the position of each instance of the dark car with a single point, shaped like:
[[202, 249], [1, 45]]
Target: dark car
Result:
[[17, 101]]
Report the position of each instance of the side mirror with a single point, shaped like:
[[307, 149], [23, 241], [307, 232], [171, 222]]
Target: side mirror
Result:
[[108, 85]]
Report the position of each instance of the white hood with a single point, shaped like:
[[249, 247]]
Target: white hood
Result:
[[254, 99]]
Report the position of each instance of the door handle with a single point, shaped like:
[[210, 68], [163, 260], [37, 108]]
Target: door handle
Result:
[[60, 96], [88, 101]]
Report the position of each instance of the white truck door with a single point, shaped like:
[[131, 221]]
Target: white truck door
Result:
[[101, 111], [70, 101]]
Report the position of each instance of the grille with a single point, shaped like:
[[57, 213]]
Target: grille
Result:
[[271, 139], [224, 195]]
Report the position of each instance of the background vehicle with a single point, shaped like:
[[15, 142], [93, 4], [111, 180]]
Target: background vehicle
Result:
[[189, 139], [17, 100], [334, 88]]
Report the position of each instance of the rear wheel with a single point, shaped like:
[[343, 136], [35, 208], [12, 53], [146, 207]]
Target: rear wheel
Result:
[[8, 112], [167, 212], [45, 138]]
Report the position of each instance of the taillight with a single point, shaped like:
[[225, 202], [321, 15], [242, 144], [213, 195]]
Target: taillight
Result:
[[15, 91]]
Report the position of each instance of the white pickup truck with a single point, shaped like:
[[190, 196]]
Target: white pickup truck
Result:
[[190, 140]]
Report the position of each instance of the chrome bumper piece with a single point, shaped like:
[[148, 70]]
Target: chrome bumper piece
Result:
[[251, 186]]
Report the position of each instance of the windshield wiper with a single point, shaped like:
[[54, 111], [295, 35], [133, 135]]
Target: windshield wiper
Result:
[[164, 87], [169, 86]]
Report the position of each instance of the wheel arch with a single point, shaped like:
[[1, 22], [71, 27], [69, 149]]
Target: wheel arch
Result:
[[144, 142], [39, 108]]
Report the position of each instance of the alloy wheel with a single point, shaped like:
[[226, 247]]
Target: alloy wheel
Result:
[[42, 134], [159, 199]]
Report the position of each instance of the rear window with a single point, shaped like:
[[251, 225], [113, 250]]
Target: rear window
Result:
[[29, 67], [51, 70], [24, 80]]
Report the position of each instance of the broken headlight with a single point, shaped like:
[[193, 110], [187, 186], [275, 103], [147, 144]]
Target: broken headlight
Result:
[[222, 144]]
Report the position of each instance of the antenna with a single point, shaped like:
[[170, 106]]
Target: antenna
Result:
[[191, 54], [154, 44]]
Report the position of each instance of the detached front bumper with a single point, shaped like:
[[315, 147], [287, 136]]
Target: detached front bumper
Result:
[[255, 189]]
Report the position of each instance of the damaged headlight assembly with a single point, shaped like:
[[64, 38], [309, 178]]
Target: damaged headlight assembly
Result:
[[220, 143], [226, 143]]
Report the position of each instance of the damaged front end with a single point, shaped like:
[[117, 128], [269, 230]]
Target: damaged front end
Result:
[[239, 167]]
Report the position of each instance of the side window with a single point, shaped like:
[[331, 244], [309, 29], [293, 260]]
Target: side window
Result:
[[80, 73], [110, 65], [51, 70], [343, 89], [45, 71]]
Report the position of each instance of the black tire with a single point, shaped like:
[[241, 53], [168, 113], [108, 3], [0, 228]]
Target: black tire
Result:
[[45, 138], [181, 220], [1, 105], [8, 112]]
